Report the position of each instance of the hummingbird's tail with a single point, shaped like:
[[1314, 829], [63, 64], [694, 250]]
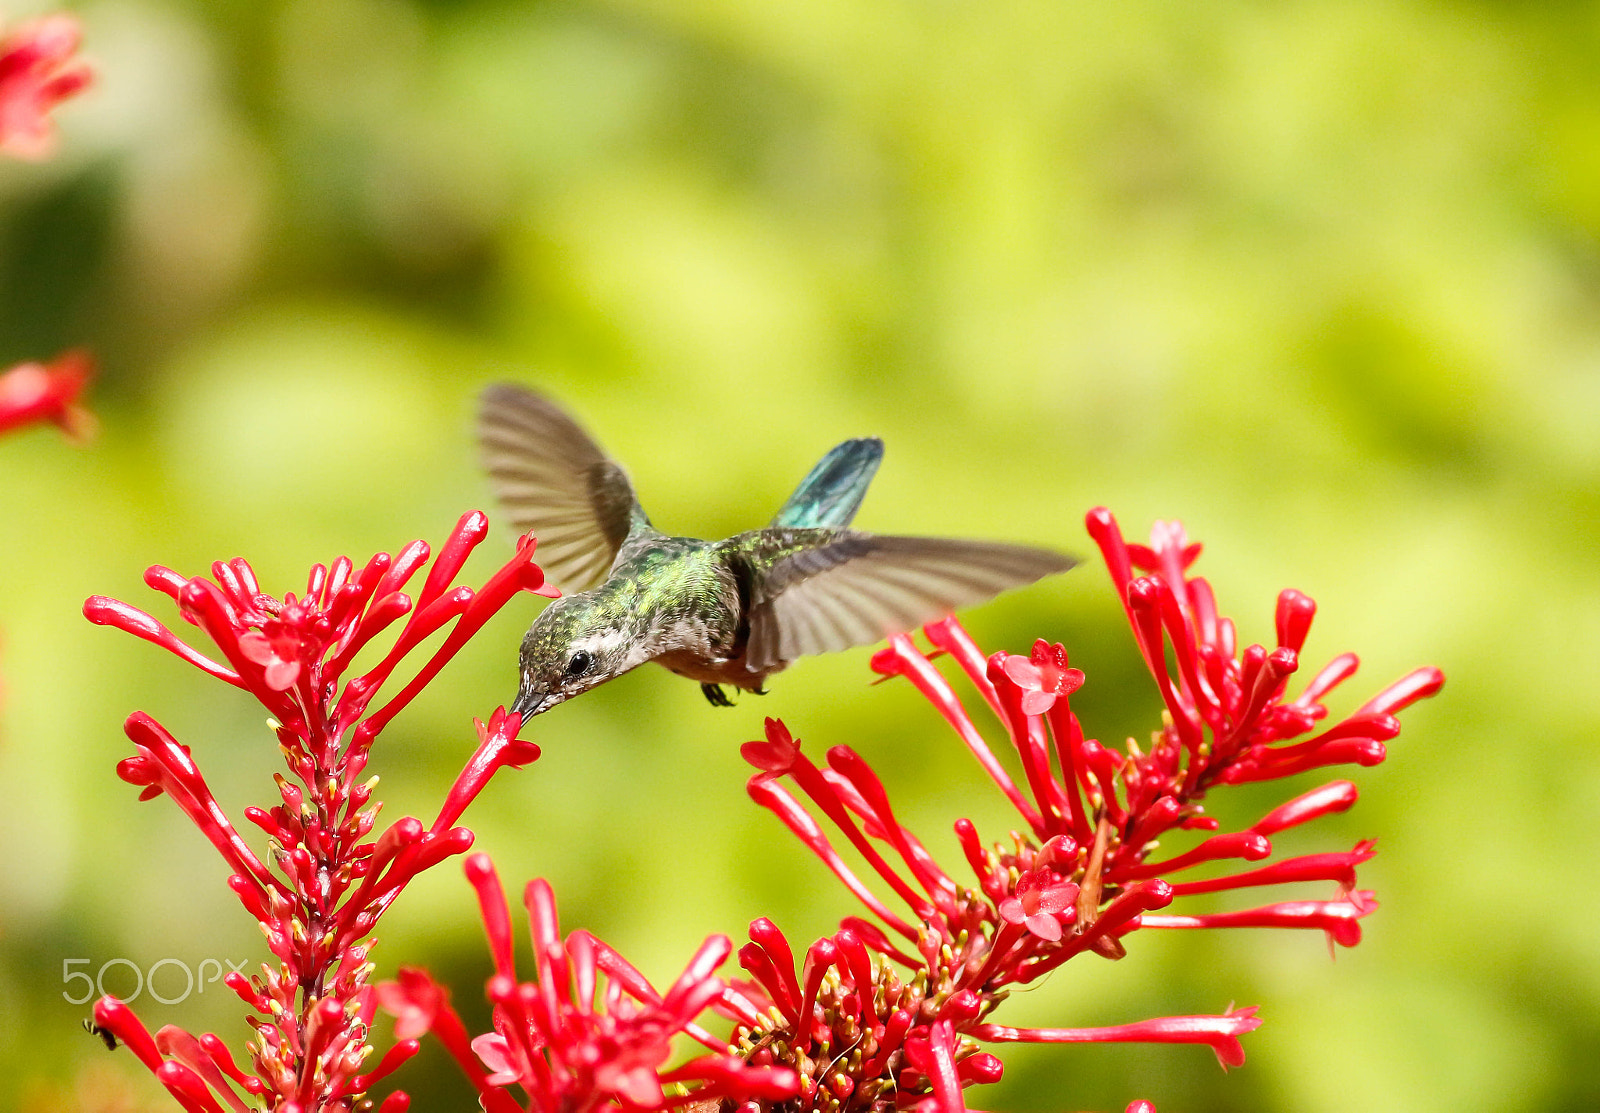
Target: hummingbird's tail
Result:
[[830, 495]]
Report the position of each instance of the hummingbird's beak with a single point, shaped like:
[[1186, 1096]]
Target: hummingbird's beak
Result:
[[529, 703]]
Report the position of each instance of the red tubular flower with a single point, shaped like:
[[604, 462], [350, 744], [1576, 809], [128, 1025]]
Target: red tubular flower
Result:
[[328, 876], [591, 1032], [1221, 1033], [32, 392], [498, 748], [1043, 676], [1041, 895], [37, 72], [860, 1031]]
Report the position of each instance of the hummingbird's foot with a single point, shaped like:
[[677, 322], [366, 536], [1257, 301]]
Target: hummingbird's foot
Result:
[[715, 696], [757, 691]]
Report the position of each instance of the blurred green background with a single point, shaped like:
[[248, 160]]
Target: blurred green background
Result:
[[1321, 280]]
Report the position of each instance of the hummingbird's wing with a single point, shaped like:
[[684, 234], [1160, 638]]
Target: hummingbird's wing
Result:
[[554, 480], [829, 496], [859, 588]]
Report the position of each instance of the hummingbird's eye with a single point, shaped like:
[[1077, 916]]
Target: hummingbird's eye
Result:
[[579, 663]]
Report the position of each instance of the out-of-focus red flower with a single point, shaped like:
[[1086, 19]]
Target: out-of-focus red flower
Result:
[[37, 72], [32, 392]]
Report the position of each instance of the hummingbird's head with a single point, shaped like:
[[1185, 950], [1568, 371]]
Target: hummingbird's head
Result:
[[572, 646]]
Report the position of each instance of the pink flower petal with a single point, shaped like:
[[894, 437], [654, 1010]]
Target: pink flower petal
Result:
[[1023, 672], [1037, 703], [496, 1055], [1045, 927]]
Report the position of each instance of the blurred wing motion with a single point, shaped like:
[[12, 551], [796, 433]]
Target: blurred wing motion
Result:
[[554, 480], [830, 495], [860, 588]]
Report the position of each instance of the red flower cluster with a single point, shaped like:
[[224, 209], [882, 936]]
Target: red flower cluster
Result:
[[37, 72], [872, 1023], [325, 881], [571, 1045], [893, 1011], [31, 392]]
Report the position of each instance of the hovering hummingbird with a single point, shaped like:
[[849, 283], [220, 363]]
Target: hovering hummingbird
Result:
[[719, 612]]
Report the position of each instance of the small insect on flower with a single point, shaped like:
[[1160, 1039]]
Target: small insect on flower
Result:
[[107, 1036]]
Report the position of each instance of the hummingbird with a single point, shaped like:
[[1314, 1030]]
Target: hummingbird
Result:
[[730, 612]]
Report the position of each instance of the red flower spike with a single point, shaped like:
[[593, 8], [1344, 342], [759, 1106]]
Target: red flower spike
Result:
[[1087, 878], [1103, 528], [399, 571], [328, 880], [1271, 766], [469, 533], [164, 580], [1157, 819], [1140, 1106], [1333, 674], [949, 636], [963, 1005], [37, 72], [167, 765], [1067, 736]]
